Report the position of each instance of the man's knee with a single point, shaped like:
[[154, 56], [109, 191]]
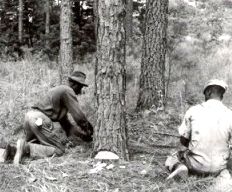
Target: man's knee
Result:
[[30, 115]]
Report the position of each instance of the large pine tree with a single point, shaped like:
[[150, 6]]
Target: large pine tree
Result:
[[110, 130], [152, 84], [129, 19]]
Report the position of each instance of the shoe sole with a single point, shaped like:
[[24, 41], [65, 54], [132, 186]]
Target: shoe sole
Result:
[[3, 155]]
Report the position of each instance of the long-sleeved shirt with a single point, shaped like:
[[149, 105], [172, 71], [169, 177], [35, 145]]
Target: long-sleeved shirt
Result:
[[58, 102], [208, 126]]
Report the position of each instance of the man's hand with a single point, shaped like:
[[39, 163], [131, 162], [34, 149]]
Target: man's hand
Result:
[[87, 128], [68, 143], [86, 138], [184, 141]]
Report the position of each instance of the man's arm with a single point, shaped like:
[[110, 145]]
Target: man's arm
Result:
[[66, 125], [70, 101], [185, 129]]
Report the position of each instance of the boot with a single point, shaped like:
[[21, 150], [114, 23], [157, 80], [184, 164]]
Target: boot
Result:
[[8, 153], [181, 171], [20, 151]]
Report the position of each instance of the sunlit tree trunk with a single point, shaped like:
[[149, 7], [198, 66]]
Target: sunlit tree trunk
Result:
[[20, 21], [66, 52], [152, 84], [110, 129], [47, 20]]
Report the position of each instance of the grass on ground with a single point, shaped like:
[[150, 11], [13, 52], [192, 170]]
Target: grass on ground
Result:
[[24, 82]]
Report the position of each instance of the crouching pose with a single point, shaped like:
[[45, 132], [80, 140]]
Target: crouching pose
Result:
[[47, 125], [205, 132]]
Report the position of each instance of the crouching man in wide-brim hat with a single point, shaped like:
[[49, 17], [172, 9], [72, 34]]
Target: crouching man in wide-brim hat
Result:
[[47, 125], [205, 132]]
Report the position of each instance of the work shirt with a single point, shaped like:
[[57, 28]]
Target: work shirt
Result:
[[208, 126], [58, 102]]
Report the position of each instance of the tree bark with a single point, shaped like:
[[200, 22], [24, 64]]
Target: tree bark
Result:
[[95, 11], [20, 21], [152, 77], [47, 20], [66, 50], [110, 131], [129, 19]]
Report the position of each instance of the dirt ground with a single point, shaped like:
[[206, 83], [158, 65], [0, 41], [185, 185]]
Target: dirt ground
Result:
[[77, 171]]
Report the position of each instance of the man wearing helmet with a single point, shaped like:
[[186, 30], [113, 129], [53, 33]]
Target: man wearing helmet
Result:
[[205, 132]]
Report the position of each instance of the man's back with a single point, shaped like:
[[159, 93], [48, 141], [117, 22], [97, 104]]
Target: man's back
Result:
[[209, 128], [53, 103]]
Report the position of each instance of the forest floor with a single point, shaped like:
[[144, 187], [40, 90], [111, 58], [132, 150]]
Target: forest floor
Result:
[[77, 171]]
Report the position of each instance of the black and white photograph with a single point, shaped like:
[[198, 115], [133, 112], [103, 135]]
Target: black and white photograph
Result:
[[115, 95]]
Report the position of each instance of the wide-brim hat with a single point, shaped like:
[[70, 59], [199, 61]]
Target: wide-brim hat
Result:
[[217, 82], [78, 77]]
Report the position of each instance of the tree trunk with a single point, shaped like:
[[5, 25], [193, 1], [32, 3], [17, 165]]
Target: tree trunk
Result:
[[110, 131], [66, 52], [20, 21], [129, 19], [152, 77], [47, 20], [2, 14], [95, 11]]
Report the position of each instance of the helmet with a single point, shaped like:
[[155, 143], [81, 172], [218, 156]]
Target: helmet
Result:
[[217, 82]]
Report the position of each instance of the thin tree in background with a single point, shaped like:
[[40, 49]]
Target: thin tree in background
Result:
[[66, 52], [110, 130], [47, 19], [152, 77], [96, 19], [20, 21], [2, 13]]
